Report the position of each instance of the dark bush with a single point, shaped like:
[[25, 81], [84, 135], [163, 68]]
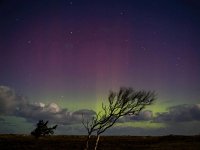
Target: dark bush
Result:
[[42, 129]]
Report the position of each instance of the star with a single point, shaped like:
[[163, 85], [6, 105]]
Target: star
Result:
[[154, 32], [126, 40], [121, 13], [178, 59], [143, 48], [17, 19]]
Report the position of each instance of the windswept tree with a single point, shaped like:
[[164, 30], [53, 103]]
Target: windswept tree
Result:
[[42, 129], [124, 102]]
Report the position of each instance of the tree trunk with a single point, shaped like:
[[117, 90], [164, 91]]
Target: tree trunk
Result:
[[87, 142], [97, 142]]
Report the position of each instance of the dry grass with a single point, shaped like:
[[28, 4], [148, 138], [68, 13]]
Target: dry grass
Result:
[[21, 142]]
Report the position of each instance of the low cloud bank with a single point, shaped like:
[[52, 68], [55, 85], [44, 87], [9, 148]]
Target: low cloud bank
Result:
[[15, 105], [180, 113]]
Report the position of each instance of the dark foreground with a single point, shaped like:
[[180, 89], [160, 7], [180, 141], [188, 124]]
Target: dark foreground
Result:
[[20, 142]]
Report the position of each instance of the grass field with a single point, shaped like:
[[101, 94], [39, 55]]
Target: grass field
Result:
[[22, 142]]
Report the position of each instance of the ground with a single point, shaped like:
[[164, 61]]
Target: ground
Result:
[[171, 142]]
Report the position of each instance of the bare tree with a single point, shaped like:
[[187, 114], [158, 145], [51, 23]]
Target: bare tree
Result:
[[122, 103]]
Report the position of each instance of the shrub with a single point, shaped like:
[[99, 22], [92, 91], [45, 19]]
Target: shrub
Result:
[[42, 129]]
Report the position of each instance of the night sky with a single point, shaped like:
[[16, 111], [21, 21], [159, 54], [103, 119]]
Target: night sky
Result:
[[63, 56]]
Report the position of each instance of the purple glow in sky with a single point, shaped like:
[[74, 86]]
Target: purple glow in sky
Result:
[[73, 52]]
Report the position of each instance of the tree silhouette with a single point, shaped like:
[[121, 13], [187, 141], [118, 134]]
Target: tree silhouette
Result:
[[42, 129], [122, 103]]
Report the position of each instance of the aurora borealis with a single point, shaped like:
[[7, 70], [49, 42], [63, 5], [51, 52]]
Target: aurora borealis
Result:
[[72, 52]]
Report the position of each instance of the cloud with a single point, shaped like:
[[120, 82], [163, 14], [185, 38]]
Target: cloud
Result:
[[180, 113], [180, 119], [15, 105], [83, 113], [9, 100], [51, 112], [2, 120], [145, 115], [12, 104], [86, 112]]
